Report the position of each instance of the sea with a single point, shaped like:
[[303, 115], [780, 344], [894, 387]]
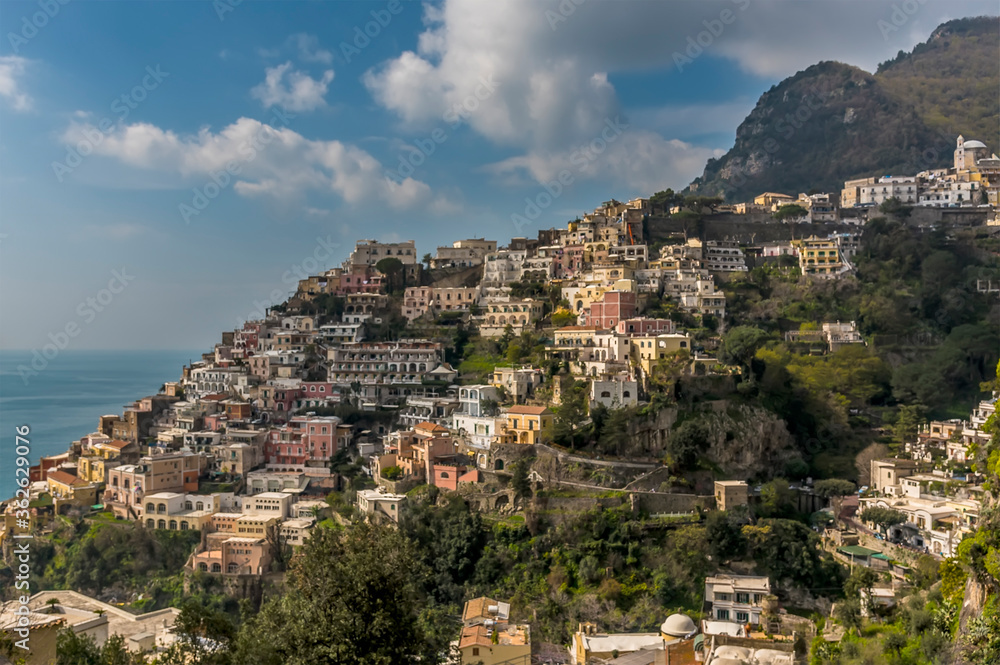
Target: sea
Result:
[[64, 400]]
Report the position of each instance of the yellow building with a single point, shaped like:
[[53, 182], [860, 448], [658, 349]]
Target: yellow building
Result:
[[819, 256], [67, 488], [499, 643], [529, 424], [646, 350], [93, 469], [772, 200]]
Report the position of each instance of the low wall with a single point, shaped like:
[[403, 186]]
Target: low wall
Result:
[[656, 503]]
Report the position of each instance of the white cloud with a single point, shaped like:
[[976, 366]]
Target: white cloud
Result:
[[272, 162], [309, 49], [12, 70], [295, 92]]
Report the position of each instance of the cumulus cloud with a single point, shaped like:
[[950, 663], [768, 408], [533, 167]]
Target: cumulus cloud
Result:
[[12, 70], [273, 162], [291, 89]]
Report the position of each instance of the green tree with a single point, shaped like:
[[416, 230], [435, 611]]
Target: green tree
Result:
[[908, 422], [740, 344], [778, 499], [563, 318], [73, 649], [686, 441], [426, 260], [352, 599], [790, 211], [834, 489], [571, 411], [520, 482], [394, 272], [883, 518]]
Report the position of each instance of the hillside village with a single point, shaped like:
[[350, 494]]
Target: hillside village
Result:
[[477, 370]]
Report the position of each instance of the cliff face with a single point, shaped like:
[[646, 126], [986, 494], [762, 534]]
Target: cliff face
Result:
[[833, 122], [743, 441]]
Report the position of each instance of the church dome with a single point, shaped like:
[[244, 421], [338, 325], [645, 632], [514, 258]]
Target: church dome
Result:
[[677, 625], [973, 144]]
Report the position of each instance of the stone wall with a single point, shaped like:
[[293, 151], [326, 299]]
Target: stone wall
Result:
[[670, 504]]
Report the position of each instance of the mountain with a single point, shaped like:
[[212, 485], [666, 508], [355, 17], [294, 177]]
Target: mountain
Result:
[[833, 122]]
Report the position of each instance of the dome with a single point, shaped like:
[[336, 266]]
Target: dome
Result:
[[973, 144], [677, 625]]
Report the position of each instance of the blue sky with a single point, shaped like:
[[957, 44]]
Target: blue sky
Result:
[[313, 121]]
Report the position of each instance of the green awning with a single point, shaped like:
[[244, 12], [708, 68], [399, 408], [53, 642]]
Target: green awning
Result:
[[879, 555], [857, 550]]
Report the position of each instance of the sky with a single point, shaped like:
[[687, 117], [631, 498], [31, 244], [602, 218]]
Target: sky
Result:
[[168, 169]]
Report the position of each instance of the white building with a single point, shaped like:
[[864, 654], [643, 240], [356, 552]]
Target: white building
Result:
[[614, 393], [736, 598]]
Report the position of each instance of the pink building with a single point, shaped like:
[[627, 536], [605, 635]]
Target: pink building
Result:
[[448, 475], [644, 326], [245, 341], [306, 439], [612, 308], [568, 263], [234, 556], [216, 421], [361, 279]]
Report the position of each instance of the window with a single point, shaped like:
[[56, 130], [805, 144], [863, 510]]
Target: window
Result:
[[475, 651], [742, 617], [722, 615], [723, 596], [743, 598]]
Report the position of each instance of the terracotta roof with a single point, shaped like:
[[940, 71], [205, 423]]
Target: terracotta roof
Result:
[[430, 427], [529, 410], [582, 328], [217, 397], [65, 478], [477, 607], [116, 443], [474, 636]]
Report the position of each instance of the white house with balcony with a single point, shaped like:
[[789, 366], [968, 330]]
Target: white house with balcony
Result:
[[738, 599]]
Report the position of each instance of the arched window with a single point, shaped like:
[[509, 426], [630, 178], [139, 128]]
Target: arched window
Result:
[[150, 523], [203, 567], [150, 508], [232, 567], [161, 524], [173, 525], [216, 567]]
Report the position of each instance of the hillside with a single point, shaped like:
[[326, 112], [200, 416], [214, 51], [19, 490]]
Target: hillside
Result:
[[952, 79], [832, 121]]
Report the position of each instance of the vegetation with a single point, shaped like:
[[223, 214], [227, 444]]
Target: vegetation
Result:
[[832, 122]]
